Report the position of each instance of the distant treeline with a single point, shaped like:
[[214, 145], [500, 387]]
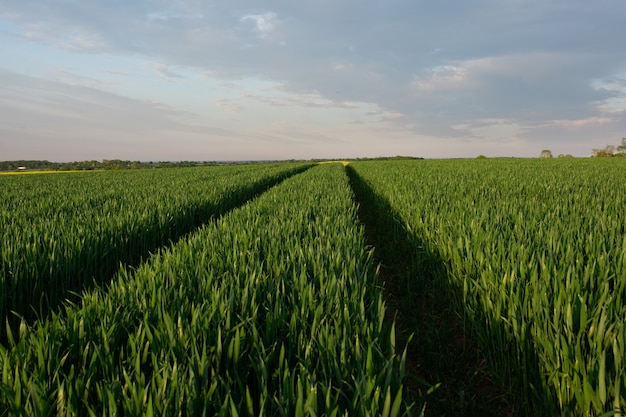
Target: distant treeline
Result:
[[388, 158], [34, 165], [378, 158], [93, 165]]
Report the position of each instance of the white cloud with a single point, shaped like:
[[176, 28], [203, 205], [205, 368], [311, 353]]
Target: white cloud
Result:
[[441, 77], [168, 15], [264, 23], [582, 123]]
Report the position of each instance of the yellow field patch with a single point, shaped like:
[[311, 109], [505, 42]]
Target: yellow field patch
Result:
[[344, 163], [41, 172]]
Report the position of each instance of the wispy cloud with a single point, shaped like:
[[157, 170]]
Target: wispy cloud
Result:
[[166, 71], [264, 23], [441, 77]]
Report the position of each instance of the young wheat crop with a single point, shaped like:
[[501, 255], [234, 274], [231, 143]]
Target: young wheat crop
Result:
[[271, 310], [534, 254]]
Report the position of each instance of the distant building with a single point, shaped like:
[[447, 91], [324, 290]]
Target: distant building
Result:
[[21, 168]]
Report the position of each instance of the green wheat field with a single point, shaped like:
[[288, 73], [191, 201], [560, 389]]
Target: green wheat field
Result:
[[255, 289]]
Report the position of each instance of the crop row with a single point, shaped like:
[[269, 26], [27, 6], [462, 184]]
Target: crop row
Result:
[[534, 254], [63, 232], [271, 310]]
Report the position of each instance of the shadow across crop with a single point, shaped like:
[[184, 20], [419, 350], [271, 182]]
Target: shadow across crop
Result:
[[449, 371]]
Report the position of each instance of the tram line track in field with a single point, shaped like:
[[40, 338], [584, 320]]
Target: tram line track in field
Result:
[[123, 256], [446, 370]]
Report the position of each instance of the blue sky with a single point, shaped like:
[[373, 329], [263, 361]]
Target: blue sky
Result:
[[239, 80]]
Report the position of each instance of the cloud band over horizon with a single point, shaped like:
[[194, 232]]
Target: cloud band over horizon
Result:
[[188, 80]]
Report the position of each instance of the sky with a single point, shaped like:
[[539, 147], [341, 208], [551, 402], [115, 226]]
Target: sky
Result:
[[205, 80]]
